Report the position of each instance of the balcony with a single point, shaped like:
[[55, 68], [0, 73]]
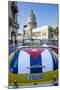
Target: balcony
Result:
[[14, 7], [14, 24]]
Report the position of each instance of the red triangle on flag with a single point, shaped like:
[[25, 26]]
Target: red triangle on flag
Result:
[[34, 52]]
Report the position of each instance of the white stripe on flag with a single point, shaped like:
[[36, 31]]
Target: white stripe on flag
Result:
[[23, 63], [47, 61]]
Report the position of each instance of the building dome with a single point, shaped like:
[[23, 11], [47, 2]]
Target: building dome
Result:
[[32, 20], [31, 17]]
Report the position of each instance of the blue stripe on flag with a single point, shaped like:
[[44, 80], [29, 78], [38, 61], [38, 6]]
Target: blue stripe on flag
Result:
[[55, 62], [34, 63], [14, 63]]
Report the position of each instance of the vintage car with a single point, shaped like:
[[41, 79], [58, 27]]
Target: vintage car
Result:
[[34, 65]]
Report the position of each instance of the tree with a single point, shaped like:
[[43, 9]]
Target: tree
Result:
[[51, 33], [56, 33]]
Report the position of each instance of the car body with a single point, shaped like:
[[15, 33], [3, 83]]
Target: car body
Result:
[[35, 66]]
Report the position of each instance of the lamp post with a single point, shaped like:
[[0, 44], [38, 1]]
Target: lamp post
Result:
[[24, 33], [23, 36]]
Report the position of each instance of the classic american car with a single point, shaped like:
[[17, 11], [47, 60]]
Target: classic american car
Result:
[[33, 66]]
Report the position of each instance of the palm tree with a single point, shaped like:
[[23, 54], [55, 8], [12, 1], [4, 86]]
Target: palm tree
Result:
[[56, 32], [51, 33]]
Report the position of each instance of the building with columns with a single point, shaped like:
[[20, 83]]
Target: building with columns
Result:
[[12, 24]]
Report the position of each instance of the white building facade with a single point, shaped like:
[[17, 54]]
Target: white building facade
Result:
[[40, 33]]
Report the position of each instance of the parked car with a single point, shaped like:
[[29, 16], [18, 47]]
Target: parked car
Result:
[[33, 66]]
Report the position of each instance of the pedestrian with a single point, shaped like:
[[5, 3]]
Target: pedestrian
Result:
[[15, 84], [55, 81]]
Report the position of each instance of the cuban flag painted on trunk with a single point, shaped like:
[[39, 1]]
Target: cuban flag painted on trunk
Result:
[[33, 60]]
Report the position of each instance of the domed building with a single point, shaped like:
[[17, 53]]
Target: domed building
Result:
[[31, 24], [32, 20]]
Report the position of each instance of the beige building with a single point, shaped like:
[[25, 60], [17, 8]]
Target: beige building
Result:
[[20, 37]]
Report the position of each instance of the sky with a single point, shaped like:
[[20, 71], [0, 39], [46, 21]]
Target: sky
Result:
[[46, 14]]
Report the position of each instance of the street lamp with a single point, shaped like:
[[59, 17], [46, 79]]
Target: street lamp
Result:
[[24, 33]]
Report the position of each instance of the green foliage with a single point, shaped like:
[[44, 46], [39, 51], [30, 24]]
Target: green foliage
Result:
[[53, 33]]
